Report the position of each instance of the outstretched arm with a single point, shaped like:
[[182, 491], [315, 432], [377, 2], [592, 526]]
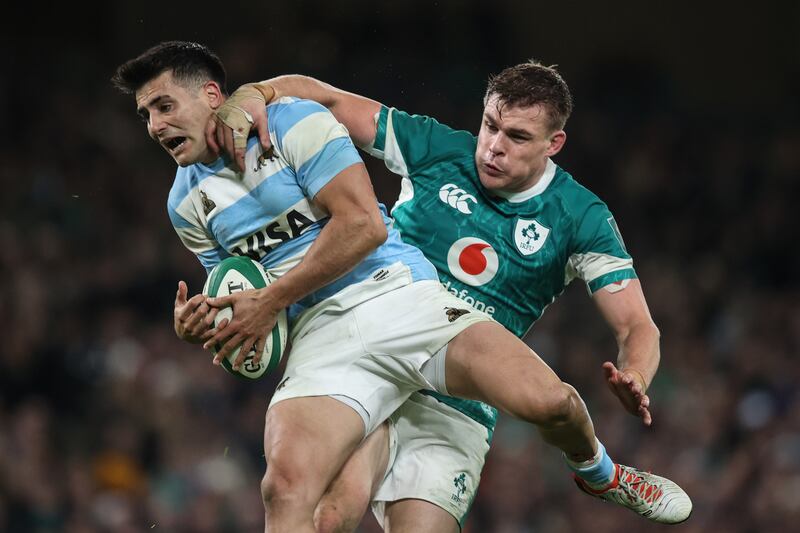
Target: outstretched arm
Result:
[[627, 314], [245, 111]]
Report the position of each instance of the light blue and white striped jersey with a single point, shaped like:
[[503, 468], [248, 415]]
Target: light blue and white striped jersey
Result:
[[268, 213]]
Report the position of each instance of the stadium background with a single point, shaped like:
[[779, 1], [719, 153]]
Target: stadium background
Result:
[[686, 123]]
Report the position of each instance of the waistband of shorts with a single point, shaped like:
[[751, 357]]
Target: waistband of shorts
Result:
[[383, 280]]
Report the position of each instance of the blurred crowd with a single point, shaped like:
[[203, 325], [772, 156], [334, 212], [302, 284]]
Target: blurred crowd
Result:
[[108, 423]]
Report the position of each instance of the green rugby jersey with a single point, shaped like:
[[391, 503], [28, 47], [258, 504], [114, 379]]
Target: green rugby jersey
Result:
[[509, 257]]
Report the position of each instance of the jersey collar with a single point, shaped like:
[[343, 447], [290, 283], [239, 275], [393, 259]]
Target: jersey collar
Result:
[[538, 188]]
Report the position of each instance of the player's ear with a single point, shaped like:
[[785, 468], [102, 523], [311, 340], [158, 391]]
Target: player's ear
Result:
[[213, 93], [557, 140]]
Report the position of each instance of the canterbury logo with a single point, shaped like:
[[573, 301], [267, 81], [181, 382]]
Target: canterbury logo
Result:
[[457, 198]]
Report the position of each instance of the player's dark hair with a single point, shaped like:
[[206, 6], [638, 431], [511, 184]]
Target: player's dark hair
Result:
[[192, 64], [532, 83]]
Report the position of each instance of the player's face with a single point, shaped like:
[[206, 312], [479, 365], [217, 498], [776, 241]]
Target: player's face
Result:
[[177, 116], [513, 146]]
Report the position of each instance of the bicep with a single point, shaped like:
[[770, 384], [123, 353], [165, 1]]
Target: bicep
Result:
[[357, 113], [349, 192], [623, 309]]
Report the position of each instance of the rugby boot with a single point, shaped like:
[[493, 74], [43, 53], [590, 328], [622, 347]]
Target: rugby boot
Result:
[[654, 497]]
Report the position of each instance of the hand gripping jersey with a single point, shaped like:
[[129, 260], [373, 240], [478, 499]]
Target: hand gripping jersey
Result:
[[509, 257], [268, 212]]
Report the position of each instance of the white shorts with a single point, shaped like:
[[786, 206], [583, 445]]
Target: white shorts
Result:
[[438, 453], [372, 353]]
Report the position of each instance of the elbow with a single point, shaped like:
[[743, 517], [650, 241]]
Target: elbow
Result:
[[371, 231], [645, 329], [655, 333], [378, 233]]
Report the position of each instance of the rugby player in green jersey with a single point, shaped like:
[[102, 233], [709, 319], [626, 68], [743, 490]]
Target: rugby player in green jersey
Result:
[[507, 230]]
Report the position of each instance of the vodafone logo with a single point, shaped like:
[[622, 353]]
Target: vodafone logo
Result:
[[472, 261]]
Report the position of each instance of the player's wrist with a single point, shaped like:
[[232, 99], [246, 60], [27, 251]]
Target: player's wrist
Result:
[[274, 297], [267, 91], [638, 376], [258, 91]]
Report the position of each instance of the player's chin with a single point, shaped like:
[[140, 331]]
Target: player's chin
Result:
[[185, 158], [492, 183]]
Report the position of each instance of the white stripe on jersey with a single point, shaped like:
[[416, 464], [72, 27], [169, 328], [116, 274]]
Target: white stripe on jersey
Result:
[[304, 139], [196, 239], [391, 154], [406, 193], [393, 158], [592, 265], [219, 185]]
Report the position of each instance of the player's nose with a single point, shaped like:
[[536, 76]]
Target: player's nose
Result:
[[496, 146], [155, 126]]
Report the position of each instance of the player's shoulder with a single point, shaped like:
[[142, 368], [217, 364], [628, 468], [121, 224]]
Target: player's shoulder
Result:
[[428, 138], [433, 122], [187, 179], [402, 118], [287, 111], [575, 196], [181, 186]]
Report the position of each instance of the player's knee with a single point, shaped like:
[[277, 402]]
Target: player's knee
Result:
[[280, 486], [340, 510], [271, 485], [332, 518], [558, 406]]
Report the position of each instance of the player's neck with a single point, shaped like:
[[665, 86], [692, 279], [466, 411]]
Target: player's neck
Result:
[[208, 157]]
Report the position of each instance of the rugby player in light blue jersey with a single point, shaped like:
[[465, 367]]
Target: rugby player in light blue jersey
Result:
[[507, 229]]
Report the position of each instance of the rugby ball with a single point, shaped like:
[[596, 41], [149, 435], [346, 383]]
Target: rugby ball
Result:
[[232, 275]]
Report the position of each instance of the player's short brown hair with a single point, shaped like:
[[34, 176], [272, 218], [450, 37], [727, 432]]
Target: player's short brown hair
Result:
[[532, 83]]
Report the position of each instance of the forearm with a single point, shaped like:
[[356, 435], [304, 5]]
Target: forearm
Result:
[[341, 245], [303, 87], [639, 351], [354, 111]]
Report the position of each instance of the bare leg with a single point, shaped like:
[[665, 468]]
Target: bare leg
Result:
[[306, 442], [486, 362], [418, 516], [344, 503]]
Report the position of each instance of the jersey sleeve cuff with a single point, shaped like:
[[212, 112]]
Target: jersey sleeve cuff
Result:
[[380, 134], [612, 277]]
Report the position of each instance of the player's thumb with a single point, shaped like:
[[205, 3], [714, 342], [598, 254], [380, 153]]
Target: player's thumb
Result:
[[183, 291], [211, 134], [263, 134], [609, 370]]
